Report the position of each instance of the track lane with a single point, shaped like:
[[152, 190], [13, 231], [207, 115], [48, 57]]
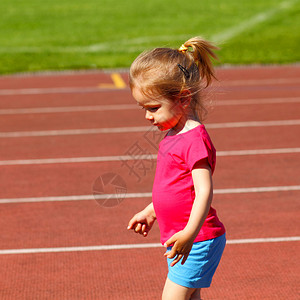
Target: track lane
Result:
[[55, 79], [93, 78], [90, 273], [77, 179], [92, 145], [248, 268], [120, 97], [243, 263], [261, 271], [59, 100], [84, 275], [133, 118], [86, 223], [125, 107]]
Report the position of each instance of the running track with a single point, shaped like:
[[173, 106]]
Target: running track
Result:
[[60, 132]]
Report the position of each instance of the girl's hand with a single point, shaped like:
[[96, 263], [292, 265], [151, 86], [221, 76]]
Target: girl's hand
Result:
[[142, 222], [182, 245]]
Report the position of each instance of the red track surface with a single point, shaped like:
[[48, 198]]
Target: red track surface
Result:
[[264, 270]]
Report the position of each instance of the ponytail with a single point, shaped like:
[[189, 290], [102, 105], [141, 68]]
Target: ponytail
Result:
[[202, 52]]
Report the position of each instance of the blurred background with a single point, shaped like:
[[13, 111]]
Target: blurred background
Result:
[[95, 34]]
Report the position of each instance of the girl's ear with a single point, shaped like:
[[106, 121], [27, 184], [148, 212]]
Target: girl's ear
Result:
[[185, 98]]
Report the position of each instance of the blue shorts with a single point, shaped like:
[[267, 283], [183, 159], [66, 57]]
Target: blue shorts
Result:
[[201, 264]]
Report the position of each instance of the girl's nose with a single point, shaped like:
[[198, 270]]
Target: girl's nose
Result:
[[148, 115]]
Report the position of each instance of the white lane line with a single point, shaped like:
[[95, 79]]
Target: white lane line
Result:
[[145, 195], [47, 110], [254, 124], [254, 82], [266, 189], [17, 134], [257, 101], [258, 152], [75, 198], [57, 90], [264, 240], [74, 90], [82, 248], [66, 160], [74, 131], [138, 246], [77, 160], [70, 109]]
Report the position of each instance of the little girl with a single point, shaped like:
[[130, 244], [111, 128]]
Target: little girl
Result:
[[167, 83]]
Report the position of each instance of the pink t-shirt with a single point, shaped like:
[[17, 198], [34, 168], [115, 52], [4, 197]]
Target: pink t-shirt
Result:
[[173, 189]]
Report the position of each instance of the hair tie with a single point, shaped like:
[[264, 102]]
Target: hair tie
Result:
[[183, 48]]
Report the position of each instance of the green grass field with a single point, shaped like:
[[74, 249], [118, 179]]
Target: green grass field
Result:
[[70, 34]]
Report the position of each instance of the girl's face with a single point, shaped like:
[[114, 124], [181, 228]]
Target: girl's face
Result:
[[161, 112]]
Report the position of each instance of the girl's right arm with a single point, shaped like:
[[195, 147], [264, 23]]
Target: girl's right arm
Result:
[[142, 222]]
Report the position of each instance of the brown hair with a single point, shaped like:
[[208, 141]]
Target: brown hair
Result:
[[168, 72]]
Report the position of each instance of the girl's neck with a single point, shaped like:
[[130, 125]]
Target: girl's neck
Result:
[[185, 123]]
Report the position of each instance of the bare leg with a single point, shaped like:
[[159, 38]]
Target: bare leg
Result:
[[173, 291], [196, 295]]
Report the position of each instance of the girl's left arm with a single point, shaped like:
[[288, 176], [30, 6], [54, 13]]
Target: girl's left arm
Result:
[[183, 240]]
